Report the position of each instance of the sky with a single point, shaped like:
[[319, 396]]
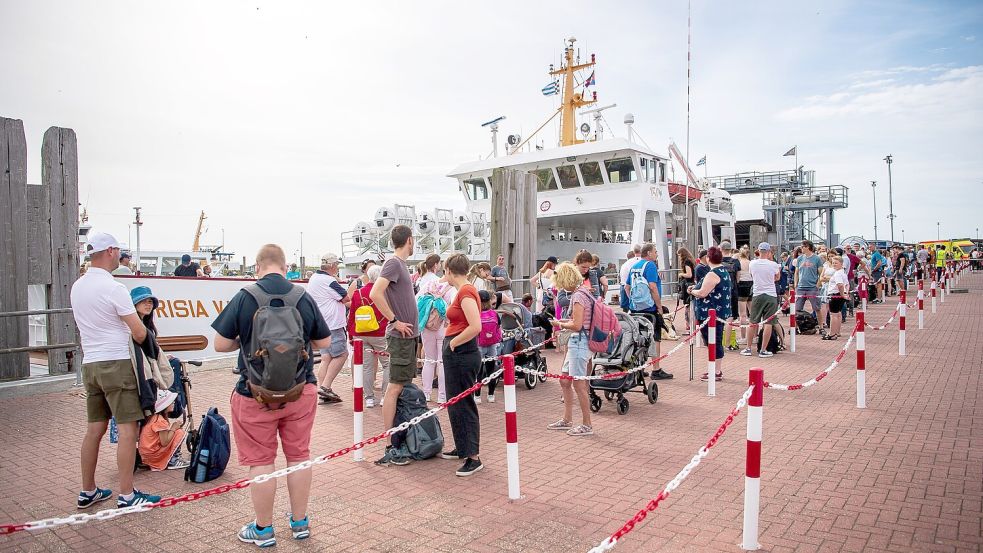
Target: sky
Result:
[[281, 118]]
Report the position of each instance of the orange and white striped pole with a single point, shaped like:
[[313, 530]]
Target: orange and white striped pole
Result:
[[752, 470]]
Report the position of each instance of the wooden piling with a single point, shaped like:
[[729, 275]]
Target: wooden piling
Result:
[[14, 264], [513, 225]]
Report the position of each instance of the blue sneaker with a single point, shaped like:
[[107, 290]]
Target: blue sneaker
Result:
[[253, 535], [136, 498], [87, 500], [301, 529]]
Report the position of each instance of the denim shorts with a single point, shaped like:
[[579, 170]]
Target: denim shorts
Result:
[[339, 343], [578, 354]]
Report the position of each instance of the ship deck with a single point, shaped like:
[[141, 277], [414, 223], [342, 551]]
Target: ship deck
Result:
[[904, 474]]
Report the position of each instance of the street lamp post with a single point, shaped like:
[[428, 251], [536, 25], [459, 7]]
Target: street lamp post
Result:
[[890, 195], [873, 188], [938, 231]]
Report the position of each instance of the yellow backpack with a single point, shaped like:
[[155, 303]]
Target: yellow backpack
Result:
[[365, 320]]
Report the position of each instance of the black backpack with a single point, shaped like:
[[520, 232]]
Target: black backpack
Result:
[[805, 322], [732, 265], [777, 341], [210, 454], [420, 441], [277, 353]]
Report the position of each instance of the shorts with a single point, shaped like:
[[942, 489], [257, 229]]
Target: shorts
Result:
[[877, 275], [111, 391], [339, 344], [836, 304], [402, 359], [762, 307], [255, 428], [744, 289], [575, 363]]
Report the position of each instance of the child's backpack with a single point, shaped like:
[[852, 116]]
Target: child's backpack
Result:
[[365, 319], [639, 295], [491, 330], [210, 455], [603, 327], [276, 353], [424, 439]]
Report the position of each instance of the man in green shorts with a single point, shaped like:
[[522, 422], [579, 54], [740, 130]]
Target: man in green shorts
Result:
[[764, 272]]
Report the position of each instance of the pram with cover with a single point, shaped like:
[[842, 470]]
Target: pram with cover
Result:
[[630, 352], [516, 336]]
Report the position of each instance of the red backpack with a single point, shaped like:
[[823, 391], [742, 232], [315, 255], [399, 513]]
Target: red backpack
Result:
[[603, 328], [491, 331]]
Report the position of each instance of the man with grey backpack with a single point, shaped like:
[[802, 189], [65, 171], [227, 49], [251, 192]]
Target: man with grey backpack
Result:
[[274, 324]]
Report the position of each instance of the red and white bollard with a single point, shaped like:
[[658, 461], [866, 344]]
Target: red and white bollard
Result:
[[861, 362], [791, 320], [712, 353], [921, 305], [934, 292], [863, 293], [902, 312], [752, 471], [358, 397], [511, 428], [943, 287]]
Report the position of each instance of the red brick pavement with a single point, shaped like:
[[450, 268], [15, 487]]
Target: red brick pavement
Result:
[[903, 475]]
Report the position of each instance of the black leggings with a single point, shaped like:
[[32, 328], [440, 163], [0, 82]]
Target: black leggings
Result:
[[461, 368]]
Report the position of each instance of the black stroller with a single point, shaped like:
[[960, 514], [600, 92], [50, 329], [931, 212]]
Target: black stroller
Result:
[[630, 352], [516, 337]]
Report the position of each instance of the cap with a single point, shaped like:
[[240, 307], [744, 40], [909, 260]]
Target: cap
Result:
[[164, 398], [330, 259], [185, 258], [552, 259], [764, 247], [125, 255], [726, 245], [484, 295], [141, 293], [100, 242]]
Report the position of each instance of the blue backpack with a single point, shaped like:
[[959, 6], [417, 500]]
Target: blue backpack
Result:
[[210, 454], [639, 295]]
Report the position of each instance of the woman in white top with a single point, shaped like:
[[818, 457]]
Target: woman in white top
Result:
[[825, 274], [837, 289], [479, 275], [543, 283], [745, 284], [433, 339]]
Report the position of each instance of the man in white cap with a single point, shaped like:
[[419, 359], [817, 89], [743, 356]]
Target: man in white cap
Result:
[[764, 304], [331, 298], [107, 321]]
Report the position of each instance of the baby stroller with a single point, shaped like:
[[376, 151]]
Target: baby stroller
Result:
[[516, 337], [182, 386], [630, 352]]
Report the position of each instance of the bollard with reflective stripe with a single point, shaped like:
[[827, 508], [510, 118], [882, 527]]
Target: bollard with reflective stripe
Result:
[[921, 304], [933, 294], [358, 395], [902, 312], [861, 362], [752, 472], [791, 320], [943, 289], [511, 428], [712, 353], [863, 294]]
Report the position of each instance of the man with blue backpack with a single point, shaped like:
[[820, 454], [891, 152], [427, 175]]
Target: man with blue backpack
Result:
[[643, 287], [275, 324]]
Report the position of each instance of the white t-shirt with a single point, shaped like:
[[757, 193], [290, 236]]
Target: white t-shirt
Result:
[[423, 282], [625, 268], [839, 277], [98, 302], [763, 273], [328, 294]]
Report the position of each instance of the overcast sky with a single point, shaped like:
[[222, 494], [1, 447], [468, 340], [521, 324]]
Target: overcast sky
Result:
[[277, 118]]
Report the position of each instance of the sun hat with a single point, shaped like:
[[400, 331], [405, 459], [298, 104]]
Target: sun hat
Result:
[[141, 293], [164, 398], [330, 259]]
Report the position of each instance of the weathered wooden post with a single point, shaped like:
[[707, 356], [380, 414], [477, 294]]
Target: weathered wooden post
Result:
[[513, 224], [14, 264], [59, 174]]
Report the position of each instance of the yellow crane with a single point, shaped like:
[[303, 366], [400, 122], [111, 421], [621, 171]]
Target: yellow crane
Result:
[[201, 223]]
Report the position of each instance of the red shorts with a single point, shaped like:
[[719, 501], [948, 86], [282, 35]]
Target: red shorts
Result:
[[256, 428]]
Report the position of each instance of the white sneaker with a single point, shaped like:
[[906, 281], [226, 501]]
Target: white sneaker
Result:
[[746, 352], [382, 402], [441, 399], [477, 399], [491, 399], [370, 402]]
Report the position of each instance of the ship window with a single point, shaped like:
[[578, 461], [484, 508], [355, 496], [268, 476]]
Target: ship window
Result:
[[620, 170], [661, 175], [568, 176], [545, 180], [476, 189], [168, 266], [148, 265], [592, 173]]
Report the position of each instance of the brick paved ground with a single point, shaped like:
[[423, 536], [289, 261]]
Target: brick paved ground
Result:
[[903, 475]]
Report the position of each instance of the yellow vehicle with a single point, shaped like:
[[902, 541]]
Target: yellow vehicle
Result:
[[959, 248]]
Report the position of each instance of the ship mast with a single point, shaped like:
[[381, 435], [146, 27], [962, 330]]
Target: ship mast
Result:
[[201, 221], [571, 100]]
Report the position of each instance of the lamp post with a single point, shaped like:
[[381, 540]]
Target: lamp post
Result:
[[938, 231], [873, 188], [890, 195]]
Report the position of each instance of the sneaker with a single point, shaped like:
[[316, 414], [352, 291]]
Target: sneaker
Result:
[[560, 425], [263, 538], [470, 467], [477, 399], [387, 457], [87, 499], [370, 402], [765, 354], [237, 370], [582, 430], [136, 498], [301, 529], [452, 455], [746, 352], [660, 375], [491, 399], [441, 399], [399, 459], [177, 463]]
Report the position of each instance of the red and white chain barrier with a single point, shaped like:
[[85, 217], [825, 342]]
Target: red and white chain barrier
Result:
[[358, 396], [861, 362], [611, 541], [894, 315], [764, 322], [823, 374], [752, 470]]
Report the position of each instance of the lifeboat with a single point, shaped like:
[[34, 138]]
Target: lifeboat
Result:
[[678, 194]]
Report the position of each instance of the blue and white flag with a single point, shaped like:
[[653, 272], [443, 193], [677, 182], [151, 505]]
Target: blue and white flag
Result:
[[703, 161], [551, 89]]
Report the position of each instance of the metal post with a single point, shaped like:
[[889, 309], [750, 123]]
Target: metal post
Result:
[[511, 429], [873, 187], [902, 311], [712, 353], [934, 292], [890, 195], [861, 362], [137, 223], [752, 470], [358, 395]]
